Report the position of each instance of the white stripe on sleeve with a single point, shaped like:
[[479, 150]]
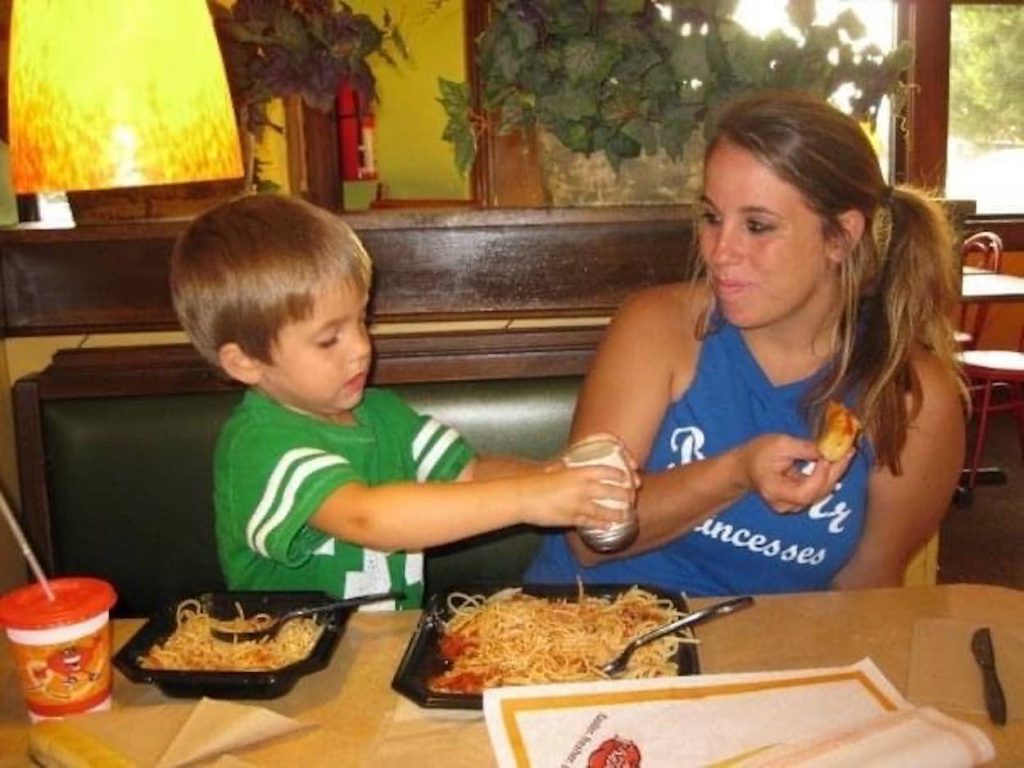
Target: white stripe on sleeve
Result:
[[425, 467], [427, 431], [288, 496], [272, 488]]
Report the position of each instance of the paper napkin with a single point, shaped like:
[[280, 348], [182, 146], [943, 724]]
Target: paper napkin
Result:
[[164, 736], [918, 736], [700, 720]]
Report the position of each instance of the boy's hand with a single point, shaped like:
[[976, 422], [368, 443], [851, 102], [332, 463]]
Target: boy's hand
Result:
[[563, 496], [624, 452]]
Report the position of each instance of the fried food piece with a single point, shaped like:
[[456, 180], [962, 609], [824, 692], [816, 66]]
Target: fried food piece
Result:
[[839, 430]]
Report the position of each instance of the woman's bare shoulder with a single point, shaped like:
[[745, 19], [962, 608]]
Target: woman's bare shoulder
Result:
[[670, 306], [941, 387]]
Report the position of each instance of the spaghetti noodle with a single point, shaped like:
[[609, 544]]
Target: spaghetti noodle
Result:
[[193, 647], [512, 638]]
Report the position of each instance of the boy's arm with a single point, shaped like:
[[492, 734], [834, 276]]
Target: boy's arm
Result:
[[495, 467], [415, 516]]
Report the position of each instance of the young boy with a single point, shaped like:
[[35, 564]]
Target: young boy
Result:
[[321, 483]]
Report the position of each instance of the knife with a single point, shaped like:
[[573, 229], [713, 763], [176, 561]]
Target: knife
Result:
[[995, 702]]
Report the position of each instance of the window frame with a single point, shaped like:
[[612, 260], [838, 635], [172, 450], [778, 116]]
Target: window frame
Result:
[[920, 156]]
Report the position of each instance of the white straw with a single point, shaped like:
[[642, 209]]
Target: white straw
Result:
[[26, 550]]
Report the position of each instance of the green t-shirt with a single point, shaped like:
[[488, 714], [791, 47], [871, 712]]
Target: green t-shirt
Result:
[[273, 469]]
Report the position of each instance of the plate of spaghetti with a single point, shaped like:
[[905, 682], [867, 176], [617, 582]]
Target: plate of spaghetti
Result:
[[475, 637], [175, 650]]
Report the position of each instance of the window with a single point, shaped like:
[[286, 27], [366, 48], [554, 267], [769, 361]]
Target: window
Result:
[[985, 145]]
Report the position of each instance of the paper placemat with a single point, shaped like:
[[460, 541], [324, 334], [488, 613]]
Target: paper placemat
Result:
[[408, 710], [943, 672], [686, 721], [164, 736]]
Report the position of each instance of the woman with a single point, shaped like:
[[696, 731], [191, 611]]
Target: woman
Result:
[[819, 282]]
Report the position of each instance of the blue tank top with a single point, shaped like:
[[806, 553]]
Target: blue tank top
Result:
[[747, 547]]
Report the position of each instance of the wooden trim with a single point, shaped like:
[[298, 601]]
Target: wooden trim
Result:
[[398, 359], [476, 15], [35, 502], [429, 265], [926, 24], [323, 162]]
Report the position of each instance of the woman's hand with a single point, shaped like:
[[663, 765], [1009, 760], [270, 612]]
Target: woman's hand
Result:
[[788, 472]]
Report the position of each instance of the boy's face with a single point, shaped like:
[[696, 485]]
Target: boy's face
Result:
[[320, 363]]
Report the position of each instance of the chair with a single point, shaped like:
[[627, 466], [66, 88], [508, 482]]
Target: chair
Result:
[[982, 250], [996, 379]]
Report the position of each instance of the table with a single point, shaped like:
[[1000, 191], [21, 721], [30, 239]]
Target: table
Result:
[[362, 722], [982, 285]]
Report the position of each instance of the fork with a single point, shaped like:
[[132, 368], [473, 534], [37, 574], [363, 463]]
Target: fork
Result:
[[269, 630], [618, 665]]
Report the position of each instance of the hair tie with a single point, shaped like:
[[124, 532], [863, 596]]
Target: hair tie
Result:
[[881, 226]]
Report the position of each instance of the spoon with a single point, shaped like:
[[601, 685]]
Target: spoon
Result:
[[617, 665], [271, 628]]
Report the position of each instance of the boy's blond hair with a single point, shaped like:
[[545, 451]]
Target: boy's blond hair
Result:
[[244, 269]]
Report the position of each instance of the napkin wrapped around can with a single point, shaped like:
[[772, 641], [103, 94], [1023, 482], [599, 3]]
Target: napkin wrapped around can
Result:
[[163, 736]]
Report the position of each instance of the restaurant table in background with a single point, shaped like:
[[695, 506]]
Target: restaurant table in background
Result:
[[363, 722], [981, 285]]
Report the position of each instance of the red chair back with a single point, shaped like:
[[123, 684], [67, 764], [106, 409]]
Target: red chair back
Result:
[[983, 250]]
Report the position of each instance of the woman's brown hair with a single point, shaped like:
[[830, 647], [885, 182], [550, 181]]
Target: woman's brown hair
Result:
[[899, 284]]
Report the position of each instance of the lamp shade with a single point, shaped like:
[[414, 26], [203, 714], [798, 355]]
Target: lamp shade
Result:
[[117, 93]]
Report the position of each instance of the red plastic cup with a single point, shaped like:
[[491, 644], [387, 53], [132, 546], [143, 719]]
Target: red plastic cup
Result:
[[61, 647]]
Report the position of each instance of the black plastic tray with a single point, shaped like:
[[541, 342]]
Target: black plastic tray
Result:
[[422, 659], [232, 685]]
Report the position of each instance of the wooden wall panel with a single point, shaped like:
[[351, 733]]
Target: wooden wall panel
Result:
[[430, 265]]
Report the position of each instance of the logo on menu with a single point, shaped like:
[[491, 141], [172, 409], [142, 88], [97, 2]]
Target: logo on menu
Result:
[[615, 753]]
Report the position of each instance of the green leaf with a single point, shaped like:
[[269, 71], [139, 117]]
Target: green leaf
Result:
[[623, 147], [612, 76], [801, 13], [588, 62], [568, 104], [643, 133], [624, 7], [689, 59], [851, 23]]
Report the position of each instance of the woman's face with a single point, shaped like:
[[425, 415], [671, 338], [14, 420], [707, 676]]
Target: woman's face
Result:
[[764, 249]]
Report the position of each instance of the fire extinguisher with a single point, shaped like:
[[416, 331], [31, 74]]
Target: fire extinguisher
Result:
[[356, 127]]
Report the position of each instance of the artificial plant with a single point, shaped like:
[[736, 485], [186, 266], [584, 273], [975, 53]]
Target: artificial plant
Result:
[[628, 77], [306, 48]]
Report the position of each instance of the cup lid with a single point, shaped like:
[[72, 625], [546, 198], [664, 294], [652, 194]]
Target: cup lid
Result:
[[76, 599]]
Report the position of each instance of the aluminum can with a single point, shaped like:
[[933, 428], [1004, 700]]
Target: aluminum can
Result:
[[615, 536]]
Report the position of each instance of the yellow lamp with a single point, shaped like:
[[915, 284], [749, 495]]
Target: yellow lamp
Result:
[[117, 93]]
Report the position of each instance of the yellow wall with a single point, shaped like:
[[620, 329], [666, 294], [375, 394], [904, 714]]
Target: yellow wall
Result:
[[412, 159]]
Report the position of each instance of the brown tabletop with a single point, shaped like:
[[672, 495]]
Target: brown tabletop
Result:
[[363, 722]]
